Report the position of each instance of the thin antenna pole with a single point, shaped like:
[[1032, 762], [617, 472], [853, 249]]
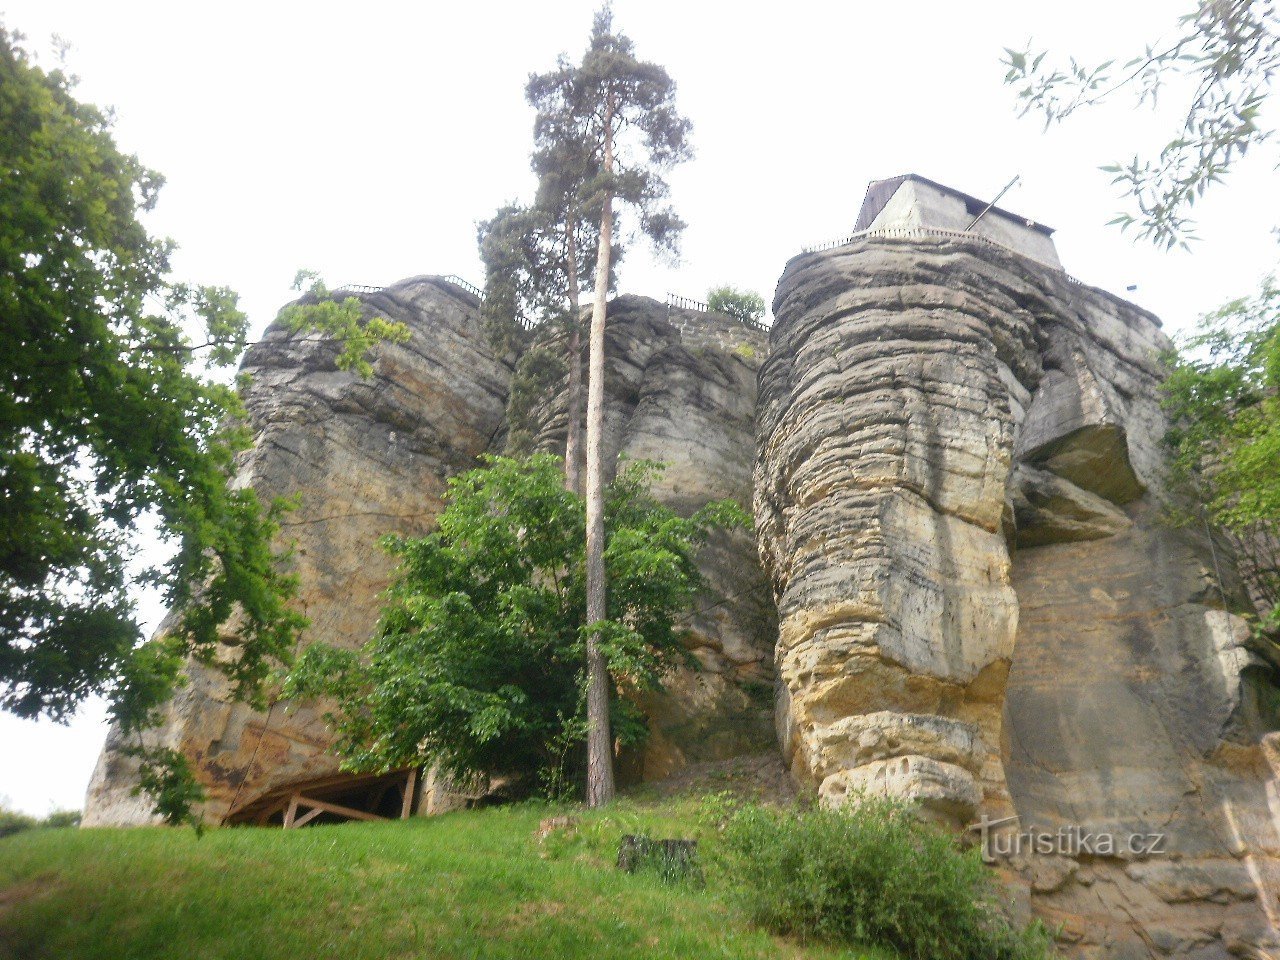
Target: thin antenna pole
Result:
[[1007, 187]]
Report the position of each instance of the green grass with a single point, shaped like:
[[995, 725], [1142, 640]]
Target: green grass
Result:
[[465, 885]]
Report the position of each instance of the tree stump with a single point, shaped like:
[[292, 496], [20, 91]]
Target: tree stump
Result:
[[670, 859]]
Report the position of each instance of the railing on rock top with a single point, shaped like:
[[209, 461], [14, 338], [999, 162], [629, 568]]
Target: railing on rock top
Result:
[[686, 303], [469, 287], [357, 288], [453, 278], [915, 233], [676, 302]]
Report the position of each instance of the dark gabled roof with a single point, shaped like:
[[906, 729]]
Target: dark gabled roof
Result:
[[879, 192]]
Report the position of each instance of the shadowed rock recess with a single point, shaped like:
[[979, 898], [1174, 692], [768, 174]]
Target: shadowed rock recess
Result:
[[961, 590], [958, 499]]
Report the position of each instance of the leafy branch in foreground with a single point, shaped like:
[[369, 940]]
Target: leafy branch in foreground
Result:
[[1226, 52], [1223, 397], [479, 658]]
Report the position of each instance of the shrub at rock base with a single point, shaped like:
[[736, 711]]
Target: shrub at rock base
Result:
[[871, 874]]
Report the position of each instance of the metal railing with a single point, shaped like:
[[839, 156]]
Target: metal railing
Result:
[[915, 233], [524, 322], [686, 303], [908, 233], [469, 287], [357, 288]]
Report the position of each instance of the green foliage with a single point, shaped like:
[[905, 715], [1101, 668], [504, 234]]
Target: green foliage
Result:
[[537, 372], [612, 95], [872, 874], [108, 419], [61, 819], [1225, 54], [11, 821], [507, 249], [742, 305], [342, 321], [478, 659], [1223, 398], [165, 776], [527, 266]]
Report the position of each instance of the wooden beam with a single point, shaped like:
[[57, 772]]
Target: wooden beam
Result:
[[307, 817], [410, 782], [349, 812], [292, 812]]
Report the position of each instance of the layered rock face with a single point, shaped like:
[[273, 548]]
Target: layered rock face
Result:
[[681, 390], [370, 457], [958, 497], [364, 457]]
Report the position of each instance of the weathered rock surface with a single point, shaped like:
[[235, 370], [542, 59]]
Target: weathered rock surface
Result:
[[958, 496], [369, 457], [681, 390], [965, 595], [365, 458]]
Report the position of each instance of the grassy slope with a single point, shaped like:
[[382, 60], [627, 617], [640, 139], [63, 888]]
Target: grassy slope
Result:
[[466, 885]]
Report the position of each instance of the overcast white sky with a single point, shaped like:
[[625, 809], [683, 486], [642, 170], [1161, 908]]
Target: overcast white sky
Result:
[[365, 140]]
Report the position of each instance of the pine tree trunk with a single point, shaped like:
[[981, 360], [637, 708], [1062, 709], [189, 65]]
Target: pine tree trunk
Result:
[[573, 441], [600, 788]]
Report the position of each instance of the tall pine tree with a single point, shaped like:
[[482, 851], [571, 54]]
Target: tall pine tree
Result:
[[621, 112]]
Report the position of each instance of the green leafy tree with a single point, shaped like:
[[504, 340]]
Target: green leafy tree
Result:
[[1225, 53], [742, 305], [477, 664], [109, 414], [621, 112], [1223, 396]]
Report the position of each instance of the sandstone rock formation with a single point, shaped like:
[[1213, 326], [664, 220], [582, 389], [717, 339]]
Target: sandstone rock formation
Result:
[[958, 496], [681, 390], [365, 458], [369, 457], [962, 590]]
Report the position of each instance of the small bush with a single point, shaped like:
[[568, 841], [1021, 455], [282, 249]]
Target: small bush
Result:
[[740, 304], [870, 874], [61, 818], [12, 822]]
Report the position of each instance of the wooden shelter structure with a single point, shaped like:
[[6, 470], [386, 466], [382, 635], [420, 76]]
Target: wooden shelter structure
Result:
[[334, 799]]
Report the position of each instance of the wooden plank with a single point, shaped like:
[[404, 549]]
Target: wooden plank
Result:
[[292, 812], [307, 818], [410, 782], [349, 812]]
